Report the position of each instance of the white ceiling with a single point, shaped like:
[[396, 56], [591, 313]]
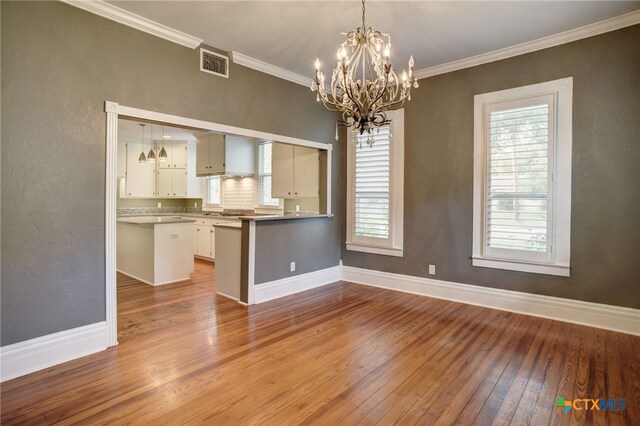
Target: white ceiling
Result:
[[129, 129], [291, 34]]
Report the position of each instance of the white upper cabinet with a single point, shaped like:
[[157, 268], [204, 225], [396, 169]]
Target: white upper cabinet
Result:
[[194, 183], [306, 172], [282, 171], [174, 178], [210, 155], [141, 178], [172, 183], [176, 155], [295, 171], [225, 155]]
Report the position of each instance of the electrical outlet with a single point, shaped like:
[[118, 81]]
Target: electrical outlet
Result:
[[297, 207], [159, 205], [195, 204], [292, 266], [432, 269]]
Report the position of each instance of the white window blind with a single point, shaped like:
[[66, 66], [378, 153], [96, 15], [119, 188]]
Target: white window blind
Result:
[[518, 207], [213, 190], [264, 176], [372, 180]]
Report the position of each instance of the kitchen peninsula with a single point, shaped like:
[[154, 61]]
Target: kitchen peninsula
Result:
[[155, 249]]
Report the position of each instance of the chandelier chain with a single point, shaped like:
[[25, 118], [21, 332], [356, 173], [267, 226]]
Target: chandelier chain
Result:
[[363, 26]]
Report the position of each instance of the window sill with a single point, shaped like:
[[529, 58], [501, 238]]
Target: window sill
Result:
[[375, 250], [511, 265]]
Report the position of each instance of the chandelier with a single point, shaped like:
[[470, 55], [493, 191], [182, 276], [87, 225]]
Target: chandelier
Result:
[[363, 84]]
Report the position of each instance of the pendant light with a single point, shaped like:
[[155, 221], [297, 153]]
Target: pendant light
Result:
[[151, 156], [142, 159], [162, 156]]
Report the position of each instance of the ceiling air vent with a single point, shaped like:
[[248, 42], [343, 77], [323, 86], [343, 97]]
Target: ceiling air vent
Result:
[[214, 63]]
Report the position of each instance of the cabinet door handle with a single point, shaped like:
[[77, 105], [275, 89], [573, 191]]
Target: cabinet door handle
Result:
[[296, 193]]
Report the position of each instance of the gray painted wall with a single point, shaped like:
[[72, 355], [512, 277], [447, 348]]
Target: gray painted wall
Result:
[[59, 65], [605, 231], [313, 244]]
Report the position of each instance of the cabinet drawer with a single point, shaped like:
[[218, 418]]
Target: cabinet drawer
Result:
[[204, 222]]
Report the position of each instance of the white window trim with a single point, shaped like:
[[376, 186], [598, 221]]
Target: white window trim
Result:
[[394, 245], [257, 204], [559, 263]]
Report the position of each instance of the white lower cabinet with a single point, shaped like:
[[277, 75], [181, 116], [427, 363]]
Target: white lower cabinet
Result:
[[205, 239]]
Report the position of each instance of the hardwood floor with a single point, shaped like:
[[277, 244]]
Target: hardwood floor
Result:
[[339, 354]]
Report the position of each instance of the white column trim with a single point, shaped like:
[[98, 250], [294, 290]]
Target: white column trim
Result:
[[111, 109]]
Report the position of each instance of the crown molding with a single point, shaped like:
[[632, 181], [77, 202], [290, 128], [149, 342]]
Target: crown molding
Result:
[[114, 13], [612, 24], [256, 64]]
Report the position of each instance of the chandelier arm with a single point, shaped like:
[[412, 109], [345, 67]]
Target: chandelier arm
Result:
[[384, 90], [325, 100], [349, 92]]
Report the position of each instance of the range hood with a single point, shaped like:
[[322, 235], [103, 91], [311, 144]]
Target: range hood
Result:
[[225, 155]]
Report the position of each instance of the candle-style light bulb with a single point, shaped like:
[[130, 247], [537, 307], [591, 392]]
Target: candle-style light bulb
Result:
[[404, 76], [411, 61], [387, 51], [317, 64]]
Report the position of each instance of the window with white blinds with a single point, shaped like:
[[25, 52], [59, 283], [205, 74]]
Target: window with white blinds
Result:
[[214, 190], [522, 169], [519, 155], [375, 190], [264, 176], [372, 185]]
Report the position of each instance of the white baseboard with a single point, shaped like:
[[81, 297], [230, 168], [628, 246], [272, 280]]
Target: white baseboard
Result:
[[291, 285], [35, 354], [614, 318], [149, 282]]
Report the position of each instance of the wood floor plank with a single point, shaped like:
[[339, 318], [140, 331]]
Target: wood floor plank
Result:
[[338, 354]]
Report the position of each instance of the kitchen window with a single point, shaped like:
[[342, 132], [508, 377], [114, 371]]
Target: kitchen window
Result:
[[375, 189], [264, 176], [214, 191], [522, 178]]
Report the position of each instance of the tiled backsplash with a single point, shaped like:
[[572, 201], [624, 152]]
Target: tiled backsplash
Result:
[[238, 193]]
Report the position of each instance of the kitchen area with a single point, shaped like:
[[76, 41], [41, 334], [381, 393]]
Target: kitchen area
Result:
[[187, 195]]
